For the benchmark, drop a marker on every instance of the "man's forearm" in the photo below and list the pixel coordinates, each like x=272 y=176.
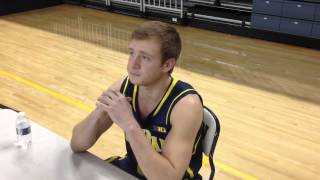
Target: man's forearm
x=84 y=134
x=148 y=159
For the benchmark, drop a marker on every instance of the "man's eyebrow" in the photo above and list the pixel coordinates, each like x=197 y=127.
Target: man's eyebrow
x=142 y=52
x=145 y=53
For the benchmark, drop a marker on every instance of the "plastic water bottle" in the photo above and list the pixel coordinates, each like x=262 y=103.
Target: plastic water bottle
x=23 y=129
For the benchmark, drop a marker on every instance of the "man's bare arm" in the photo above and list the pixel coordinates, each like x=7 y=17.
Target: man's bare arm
x=87 y=132
x=176 y=153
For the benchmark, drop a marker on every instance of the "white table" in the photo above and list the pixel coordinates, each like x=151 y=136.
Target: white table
x=49 y=158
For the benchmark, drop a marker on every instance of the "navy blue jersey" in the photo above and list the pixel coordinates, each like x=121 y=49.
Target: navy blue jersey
x=157 y=126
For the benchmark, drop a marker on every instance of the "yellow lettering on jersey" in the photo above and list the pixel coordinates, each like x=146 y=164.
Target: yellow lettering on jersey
x=154 y=140
x=161 y=142
x=139 y=171
x=147 y=133
x=161 y=129
x=155 y=144
x=190 y=172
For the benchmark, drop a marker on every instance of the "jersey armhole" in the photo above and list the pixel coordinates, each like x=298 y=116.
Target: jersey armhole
x=180 y=96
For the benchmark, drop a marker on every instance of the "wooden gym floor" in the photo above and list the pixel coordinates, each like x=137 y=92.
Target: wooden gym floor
x=55 y=62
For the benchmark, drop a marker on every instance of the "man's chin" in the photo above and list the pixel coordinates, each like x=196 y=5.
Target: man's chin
x=135 y=80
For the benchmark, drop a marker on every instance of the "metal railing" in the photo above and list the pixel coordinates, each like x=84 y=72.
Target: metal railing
x=172 y=6
x=101 y=34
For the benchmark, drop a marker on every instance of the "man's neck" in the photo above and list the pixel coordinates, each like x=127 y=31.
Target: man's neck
x=155 y=91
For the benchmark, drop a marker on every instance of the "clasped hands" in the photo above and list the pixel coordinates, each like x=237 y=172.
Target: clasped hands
x=118 y=108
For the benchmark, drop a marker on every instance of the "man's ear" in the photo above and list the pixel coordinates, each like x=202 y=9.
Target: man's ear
x=169 y=64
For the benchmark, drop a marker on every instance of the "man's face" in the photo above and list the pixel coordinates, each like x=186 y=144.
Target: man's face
x=144 y=65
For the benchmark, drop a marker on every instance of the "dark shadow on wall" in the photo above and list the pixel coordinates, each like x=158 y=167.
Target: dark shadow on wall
x=14 y=6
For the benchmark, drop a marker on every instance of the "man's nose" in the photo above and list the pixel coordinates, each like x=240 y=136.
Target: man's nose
x=135 y=62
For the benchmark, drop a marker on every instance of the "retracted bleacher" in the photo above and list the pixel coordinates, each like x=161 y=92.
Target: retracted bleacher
x=228 y=16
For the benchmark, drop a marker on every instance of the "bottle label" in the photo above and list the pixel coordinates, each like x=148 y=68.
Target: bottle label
x=23 y=131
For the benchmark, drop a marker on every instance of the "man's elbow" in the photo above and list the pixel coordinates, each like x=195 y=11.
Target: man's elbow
x=75 y=147
x=78 y=146
x=173 y=174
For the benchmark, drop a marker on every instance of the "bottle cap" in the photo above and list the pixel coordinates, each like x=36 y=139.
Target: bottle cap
x=21 y=114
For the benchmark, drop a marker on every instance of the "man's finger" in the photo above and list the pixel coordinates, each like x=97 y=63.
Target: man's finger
x=102 y=105
x=120 y=95
x=113 y=94
x=100 y=98
x=105 y=100
x=117 y=93
x=105 y=92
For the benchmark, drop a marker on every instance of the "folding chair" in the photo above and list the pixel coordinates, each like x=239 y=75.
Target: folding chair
x=211 y=135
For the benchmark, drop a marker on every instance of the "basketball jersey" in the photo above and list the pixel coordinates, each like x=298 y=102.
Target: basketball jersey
x=157 y=126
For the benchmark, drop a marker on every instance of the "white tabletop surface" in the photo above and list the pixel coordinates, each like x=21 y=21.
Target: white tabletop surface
x=48 y=158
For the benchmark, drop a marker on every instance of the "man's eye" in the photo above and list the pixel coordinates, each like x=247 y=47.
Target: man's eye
x=146 y=58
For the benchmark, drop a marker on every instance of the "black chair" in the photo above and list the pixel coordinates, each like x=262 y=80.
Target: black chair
x=211 y=135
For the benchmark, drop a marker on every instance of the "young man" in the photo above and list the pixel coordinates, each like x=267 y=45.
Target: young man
x=161 y=116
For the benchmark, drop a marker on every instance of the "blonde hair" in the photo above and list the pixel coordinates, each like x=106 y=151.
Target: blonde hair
x=167 y=36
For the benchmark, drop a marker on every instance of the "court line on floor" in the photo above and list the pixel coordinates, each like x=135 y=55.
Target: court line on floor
x=47 y=91
x=87 y=108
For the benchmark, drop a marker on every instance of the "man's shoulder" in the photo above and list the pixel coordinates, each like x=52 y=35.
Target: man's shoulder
x=188 y=109
x=186 y=92
x=190 y=101
x=184 y=84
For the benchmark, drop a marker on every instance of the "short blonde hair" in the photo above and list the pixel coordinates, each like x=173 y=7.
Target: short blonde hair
x=167 y=36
